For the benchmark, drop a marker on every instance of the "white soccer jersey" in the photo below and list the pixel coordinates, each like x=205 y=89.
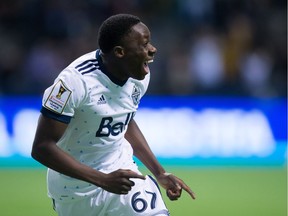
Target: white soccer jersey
x=98 y=109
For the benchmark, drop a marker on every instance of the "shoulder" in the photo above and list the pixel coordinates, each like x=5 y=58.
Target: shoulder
x=85 y=63
x=75 y=72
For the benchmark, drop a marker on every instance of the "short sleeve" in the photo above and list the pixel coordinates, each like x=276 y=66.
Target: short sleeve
x=64 y=96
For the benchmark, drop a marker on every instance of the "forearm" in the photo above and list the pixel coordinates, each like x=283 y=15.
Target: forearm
x=45 y=151
x=149 y=160
x=53 y=157
x=142 y=150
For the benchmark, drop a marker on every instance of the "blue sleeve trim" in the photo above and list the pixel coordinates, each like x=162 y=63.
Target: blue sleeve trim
x=62 y=118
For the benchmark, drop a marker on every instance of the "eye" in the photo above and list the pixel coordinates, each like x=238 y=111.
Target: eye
x=146 y=44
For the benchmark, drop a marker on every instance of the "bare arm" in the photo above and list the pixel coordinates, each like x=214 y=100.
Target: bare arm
x=46 y=151
x=142 y=151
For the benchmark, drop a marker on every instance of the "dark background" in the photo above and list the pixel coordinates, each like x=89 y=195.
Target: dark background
x=205 y=47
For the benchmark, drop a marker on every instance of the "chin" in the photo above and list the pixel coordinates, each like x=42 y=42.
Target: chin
x=142 y=77
x=139 y=76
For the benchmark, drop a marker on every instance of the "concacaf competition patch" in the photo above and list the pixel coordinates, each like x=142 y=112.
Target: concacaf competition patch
x=58 y=97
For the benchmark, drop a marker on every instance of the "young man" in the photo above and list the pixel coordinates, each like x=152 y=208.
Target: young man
x=87 y=136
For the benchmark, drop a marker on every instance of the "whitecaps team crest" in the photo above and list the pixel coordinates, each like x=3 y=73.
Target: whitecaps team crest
x=58 y=97
x=136 y=95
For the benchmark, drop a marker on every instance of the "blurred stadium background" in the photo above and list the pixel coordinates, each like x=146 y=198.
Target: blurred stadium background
x=215 y=112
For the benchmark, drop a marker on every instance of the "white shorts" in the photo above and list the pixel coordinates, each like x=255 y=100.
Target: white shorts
x=144 y=199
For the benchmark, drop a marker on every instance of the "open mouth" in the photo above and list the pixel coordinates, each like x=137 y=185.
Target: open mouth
x=146 y=67
x=148 y=62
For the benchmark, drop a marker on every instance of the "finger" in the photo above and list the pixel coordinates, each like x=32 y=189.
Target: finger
x=175 y=181
x=126 y=188
x=127 y=182
x=188 y=190
x=172 y=195
x=132 y=174
x=124 y=192
x=180 y=184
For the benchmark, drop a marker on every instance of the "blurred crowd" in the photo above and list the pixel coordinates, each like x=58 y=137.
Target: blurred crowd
x=205 y=47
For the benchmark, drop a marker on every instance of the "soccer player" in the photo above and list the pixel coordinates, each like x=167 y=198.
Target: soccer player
x=87 y=135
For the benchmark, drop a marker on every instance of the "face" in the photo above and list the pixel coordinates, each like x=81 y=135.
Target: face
x=138 y=51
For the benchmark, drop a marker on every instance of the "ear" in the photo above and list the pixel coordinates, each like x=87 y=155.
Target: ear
x=118 y=51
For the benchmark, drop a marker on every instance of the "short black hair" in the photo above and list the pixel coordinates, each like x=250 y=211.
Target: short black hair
x=114 y=29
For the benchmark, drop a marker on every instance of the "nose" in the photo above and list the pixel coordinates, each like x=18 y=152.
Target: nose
x=152 y=50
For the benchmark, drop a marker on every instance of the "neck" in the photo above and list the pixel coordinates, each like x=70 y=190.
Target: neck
x=113 y=69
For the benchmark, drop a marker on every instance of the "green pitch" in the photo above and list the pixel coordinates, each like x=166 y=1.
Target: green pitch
x=225 y=191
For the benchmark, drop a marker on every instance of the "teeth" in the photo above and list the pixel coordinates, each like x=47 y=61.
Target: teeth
x=150 y=61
